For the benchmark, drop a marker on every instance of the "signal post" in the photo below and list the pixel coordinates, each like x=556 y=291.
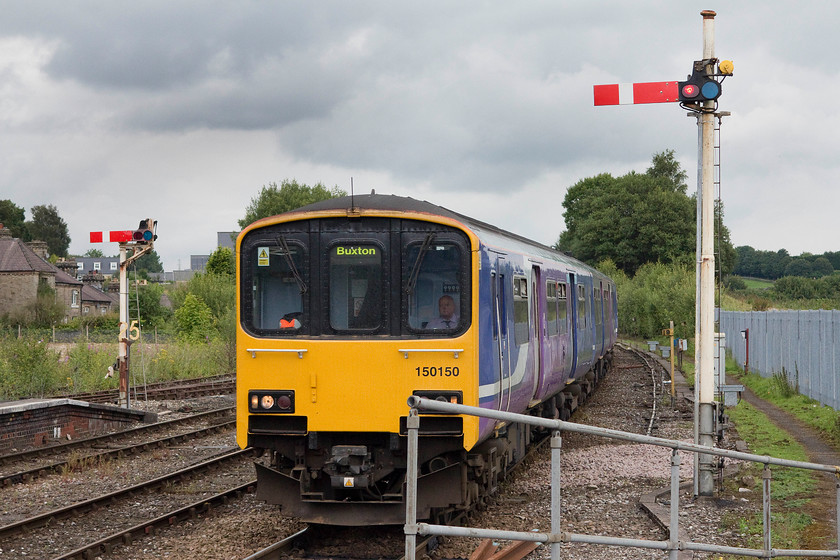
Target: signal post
x=698 y=94
x=140 y=242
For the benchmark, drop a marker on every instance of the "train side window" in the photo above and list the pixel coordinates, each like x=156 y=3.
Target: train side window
x=521 y=330
x=432 y=282
x=277 y=287
x=581 y=306
x=562 y=302
x=355 y=284
x=598 y=305
x=551 y=306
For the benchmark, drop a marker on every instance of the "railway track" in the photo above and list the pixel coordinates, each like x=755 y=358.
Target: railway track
x=76 y=530
x=164 y=390
x=27 y=465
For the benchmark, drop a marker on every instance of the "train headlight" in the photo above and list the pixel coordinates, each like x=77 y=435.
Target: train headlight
x=271 y=401
x=454 y=397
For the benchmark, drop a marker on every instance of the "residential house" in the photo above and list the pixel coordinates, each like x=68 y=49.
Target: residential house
x=23 y=267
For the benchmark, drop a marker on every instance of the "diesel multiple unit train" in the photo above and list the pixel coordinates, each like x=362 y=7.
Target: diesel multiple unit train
x=349 y=306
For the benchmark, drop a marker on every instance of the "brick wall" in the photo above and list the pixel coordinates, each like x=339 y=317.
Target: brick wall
x=27 y=424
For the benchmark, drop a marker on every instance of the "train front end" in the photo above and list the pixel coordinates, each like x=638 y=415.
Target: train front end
x=339 y=322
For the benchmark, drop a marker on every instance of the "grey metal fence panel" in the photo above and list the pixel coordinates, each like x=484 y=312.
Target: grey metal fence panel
x=805 y=345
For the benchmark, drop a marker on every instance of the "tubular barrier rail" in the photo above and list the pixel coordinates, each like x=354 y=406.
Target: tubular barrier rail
x=673 y=545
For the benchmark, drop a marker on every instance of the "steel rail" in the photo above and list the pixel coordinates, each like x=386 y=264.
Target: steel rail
x=40 y=520
x=126 y=536
x=70 y=445
x=43 y=470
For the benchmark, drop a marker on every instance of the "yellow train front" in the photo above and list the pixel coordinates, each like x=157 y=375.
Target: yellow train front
x=335 y=332
x=348 y=307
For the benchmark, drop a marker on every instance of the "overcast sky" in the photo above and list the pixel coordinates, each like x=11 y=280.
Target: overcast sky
x=181 y=111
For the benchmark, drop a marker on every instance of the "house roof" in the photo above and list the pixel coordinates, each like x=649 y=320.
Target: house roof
x=95 y=295
x=62 y=277
x=16 y=256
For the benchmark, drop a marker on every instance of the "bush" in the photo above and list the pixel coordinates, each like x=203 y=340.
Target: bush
x=194 y=320
x=28 y=368
x=656 y=295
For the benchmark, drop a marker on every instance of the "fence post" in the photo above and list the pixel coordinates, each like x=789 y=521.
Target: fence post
x=556 y=448
x=766 y=476
x=412 y=425
x=837 y=505
x=674 y=527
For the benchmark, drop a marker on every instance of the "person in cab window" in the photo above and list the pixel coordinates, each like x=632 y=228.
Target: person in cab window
x=448 y=318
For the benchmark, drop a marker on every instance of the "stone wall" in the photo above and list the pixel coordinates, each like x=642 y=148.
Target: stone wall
x=19 y=290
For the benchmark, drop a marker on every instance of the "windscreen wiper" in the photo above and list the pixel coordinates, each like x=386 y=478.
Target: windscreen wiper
x=288 y=254
x=415 y=270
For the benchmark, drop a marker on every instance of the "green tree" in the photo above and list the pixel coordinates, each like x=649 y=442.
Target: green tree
x=665 y=165
x=94 y=253
x=144 y=301
x=194 y=320
x=638 y=218
x=149 y=262
x=217 y=291
x=289 y=195
x=799 y=267
x=631 y=220
x=221 y=261
x=46 y=225
x=12 y=217
x=822 y=267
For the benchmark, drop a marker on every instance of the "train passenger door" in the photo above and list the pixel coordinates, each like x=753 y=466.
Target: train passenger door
x=537 y=321
x=572 y=299
x=501 y=347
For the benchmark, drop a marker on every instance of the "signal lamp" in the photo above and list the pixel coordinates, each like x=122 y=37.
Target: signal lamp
x=267 y=401
x=699 y=86
x=145 y=232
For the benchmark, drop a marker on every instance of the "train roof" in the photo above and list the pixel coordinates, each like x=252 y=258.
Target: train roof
x=394 y=203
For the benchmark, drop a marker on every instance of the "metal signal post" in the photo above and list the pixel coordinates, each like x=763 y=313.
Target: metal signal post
x=140 y=242
x=699 y=94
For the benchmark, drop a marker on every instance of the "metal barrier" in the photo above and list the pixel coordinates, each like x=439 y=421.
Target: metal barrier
x=804 y=345
x=673 y=545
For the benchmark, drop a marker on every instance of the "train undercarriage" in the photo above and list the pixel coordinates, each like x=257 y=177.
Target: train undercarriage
x=355 y=479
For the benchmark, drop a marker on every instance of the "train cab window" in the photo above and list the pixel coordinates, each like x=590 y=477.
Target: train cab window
x=355 y=285
x=521 y=327
x=277 y=286
x=562 y=303
x=433 y=283
x=551 y=306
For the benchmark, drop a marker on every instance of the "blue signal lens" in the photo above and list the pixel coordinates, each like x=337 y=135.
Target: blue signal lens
x=710 y=90
x=147 y=235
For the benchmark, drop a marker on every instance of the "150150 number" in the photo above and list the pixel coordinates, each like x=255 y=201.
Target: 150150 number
x=432 y=371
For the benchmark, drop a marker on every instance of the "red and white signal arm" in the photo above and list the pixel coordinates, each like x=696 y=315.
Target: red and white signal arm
x=634 y=94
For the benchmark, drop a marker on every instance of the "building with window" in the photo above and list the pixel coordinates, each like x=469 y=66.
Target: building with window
x=23 y=268
x=107 y=266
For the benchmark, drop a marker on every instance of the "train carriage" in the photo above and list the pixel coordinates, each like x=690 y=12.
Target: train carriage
x=349 y=306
